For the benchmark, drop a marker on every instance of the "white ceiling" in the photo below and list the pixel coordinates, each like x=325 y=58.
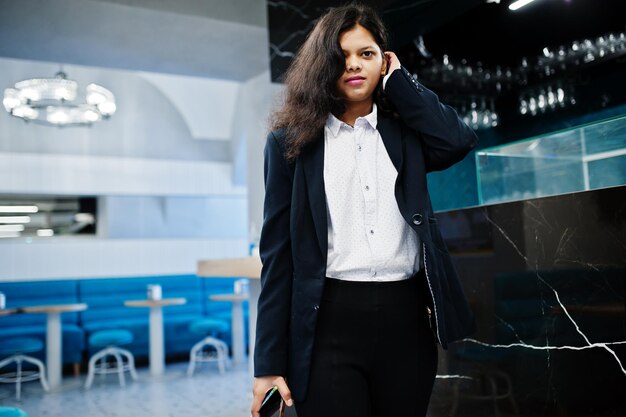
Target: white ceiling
x=202 y=38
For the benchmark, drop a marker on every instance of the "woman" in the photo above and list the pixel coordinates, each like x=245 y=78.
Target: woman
x=357 y=284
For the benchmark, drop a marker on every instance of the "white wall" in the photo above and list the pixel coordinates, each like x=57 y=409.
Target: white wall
x=206 y=105
x=215 y=217
x=166 y=198
x=258 y=97
x=75 y=258
x=41 y=173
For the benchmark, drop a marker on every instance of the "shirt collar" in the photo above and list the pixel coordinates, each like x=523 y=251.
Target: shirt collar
x=334 y=124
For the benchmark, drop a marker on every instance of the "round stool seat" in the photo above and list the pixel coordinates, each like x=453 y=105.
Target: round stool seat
x=20 y=345
x=12 y=412
x=105 y=338
x=207 y=326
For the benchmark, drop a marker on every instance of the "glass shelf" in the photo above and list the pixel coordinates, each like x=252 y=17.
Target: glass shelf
x=577 y=159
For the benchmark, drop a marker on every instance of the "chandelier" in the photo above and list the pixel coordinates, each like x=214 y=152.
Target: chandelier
x=53 y=101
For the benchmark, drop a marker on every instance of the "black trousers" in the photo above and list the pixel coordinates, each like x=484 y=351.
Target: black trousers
x=374 y=353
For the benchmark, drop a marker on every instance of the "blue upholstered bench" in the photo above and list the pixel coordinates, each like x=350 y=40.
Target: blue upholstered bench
x=106 y=297
x=21 y=294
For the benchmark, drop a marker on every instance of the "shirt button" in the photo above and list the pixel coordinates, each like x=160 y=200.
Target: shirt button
x=367 y=187
x=371 y=232
x=359 y=147
x=316 y=307
x=374 y=273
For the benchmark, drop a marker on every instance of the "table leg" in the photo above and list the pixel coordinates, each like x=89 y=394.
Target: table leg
x=157 y=361
x=255 y=291
x=54 y=346
x=239 y=354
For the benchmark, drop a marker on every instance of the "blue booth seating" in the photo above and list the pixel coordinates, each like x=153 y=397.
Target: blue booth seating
x=106 y=297
x=106 y=310
x=21 y=294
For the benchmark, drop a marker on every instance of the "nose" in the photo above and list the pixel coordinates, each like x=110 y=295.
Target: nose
x=353 y=64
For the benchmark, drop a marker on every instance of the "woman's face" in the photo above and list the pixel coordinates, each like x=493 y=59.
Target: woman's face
x=364 y=65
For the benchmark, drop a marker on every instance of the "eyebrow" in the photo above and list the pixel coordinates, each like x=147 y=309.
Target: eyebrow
x=363 y=49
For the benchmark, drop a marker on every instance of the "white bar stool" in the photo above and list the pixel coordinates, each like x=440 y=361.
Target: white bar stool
x=17 y=348
x=99 y=364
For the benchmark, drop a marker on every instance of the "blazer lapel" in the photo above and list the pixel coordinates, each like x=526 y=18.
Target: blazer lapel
x=392 y=138
x=313 y=166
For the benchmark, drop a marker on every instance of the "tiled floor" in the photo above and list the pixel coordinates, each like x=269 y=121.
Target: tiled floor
x=206 y=394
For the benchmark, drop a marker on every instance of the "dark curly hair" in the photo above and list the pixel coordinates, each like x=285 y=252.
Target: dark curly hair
x=310 y=80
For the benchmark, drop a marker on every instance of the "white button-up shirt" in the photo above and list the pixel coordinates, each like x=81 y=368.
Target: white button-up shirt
x=368 y=239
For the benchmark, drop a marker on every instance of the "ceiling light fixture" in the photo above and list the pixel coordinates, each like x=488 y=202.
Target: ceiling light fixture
x=53 y=101
x=11 y=227
x=516 y=5
x=19 y=209
x=14 y=219
x=45 y=232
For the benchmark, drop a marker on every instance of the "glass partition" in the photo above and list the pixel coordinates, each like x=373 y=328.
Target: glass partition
x=577 y=159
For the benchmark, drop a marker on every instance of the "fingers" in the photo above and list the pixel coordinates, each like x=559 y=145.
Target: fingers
x=257 y=399
x=394 y=62
x=390 y=55
x=261 y=386
x=256 y=406
x=264 y=384
x=284 y=391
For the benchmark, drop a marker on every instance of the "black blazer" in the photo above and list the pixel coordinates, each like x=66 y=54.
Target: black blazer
x=429 y=136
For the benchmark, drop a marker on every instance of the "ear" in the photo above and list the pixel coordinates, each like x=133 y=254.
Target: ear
x=383 y=70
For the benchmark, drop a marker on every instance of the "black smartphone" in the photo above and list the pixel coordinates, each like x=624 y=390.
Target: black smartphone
x=271 y=403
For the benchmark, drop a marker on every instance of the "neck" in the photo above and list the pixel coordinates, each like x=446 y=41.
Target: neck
x=356 y=110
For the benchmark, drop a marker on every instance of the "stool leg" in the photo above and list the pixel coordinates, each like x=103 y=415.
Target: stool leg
x=192 y=357
x=18 y=378
x=92 y=366
x=90 y=372
x=510 y=396
x=7 y=361
x=42 y=371
x=221 y=350
x=131 y=362
x=494 y=395
x=221 y=355
x=119 y=365
x=224 y=348
x=220 y=361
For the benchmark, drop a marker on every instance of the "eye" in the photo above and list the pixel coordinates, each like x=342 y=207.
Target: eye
x=368 y=54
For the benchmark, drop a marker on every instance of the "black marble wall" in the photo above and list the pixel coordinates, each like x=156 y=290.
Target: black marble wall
x=546 y=280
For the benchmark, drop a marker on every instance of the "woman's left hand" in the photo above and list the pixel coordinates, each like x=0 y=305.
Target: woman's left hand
x=392 y=61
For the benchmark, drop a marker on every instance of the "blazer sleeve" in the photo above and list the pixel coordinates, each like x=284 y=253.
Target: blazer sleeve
x=274 y=305
x=446 y=139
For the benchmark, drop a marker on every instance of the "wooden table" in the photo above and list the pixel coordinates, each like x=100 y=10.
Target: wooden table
x=8 y=311
x=157 y=355
x=237 y=323
x=54 y=336
x=248 y=267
